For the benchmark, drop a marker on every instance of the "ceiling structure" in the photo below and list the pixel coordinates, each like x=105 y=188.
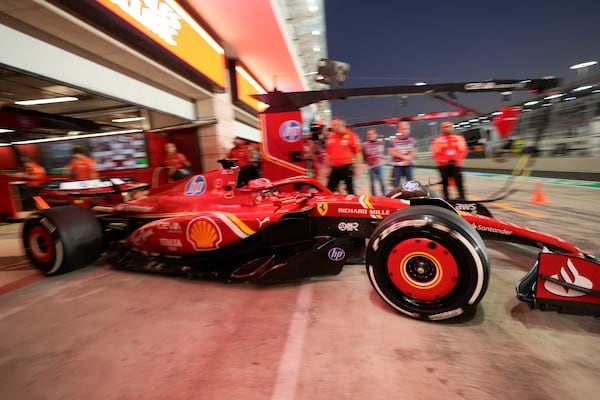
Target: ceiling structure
x=279 y=41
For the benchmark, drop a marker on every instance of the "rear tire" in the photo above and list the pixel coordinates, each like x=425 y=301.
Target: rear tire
x=428 y=263
x=62 y=239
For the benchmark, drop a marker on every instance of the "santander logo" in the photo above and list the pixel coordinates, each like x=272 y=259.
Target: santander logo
x=568 y=275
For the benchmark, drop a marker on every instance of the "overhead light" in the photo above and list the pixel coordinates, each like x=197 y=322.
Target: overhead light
x=316 y=49
x=531 y=103
x=6 y=130
x=583 y=64
x=554 y=96
x=57 y=139
x=46 y=101
x=580 y=88
x=130 y=119
x=420 y=84
x=316 y=33
x=313 y=8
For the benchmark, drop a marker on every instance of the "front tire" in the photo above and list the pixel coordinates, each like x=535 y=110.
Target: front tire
x=428 y=263
x=62 y=239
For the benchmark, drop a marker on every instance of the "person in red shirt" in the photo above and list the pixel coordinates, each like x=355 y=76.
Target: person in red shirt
x=81 y=167
x=449 y=150
x=33 y=172
x=343 y=150
x=34 y=175
x=241 y=153
x=178 y=164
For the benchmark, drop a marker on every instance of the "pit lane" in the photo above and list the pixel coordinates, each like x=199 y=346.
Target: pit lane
x=101 y=333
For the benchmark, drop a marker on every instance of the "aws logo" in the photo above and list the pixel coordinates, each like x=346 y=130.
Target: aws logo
x=291 y=131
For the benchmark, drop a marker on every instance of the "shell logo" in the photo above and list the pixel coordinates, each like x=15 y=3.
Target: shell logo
x=204 y=234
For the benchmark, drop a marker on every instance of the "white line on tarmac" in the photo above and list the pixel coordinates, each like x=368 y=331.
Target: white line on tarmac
x=289 y=364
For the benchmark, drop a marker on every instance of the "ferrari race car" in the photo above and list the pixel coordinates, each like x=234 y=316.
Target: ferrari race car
x=423 y=257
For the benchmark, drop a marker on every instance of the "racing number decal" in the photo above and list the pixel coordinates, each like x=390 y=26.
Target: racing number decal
x=196 y=186
x=290 y=131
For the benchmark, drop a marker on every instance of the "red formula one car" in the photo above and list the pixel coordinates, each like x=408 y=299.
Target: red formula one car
x=423 y=258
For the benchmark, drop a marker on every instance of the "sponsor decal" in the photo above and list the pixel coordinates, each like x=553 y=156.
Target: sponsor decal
x=218 y=184
x=170 y=242
x=410 y=186
x=204 y=234
x=196 y=186
x=336 y=254
x=157 y=16
x=140 y=236
x=322 y=208
x=363 y=211
x=170 y=226
x=571 y=275
x=262 y=221
x=291 y=131
x=494 y=85
x=492 y=229
x=469 y=207
x=348 y=226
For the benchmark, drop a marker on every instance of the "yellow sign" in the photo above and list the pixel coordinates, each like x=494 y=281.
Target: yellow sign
x=246 y=85
x=169 y=25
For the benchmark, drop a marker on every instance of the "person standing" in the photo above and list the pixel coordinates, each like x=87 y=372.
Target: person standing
x=343 y=150
x=316 y=144
x=34 y=175
x=374 y=154
x=81 y=167
x=178 y=164
x=403 y=150
x=240 y=152
x=449 y=150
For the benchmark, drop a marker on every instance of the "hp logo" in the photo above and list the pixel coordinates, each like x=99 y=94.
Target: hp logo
x=195 y=186
x=336 y=254
x=290 y=131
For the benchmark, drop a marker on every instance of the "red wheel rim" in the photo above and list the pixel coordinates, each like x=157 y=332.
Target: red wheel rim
x=41 y=245
x=422 y=269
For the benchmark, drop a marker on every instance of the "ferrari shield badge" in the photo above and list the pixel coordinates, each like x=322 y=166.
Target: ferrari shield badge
x=322 y=207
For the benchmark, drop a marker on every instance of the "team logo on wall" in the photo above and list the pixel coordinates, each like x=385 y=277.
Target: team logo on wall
x=291 y=131
x=195 y=186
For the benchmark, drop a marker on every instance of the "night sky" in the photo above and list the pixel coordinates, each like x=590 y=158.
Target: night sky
x=393 y=42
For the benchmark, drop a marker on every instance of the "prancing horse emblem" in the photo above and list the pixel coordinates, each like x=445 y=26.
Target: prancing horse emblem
x=322 y=208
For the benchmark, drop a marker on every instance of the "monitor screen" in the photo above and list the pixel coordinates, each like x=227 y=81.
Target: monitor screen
x=127 y=151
